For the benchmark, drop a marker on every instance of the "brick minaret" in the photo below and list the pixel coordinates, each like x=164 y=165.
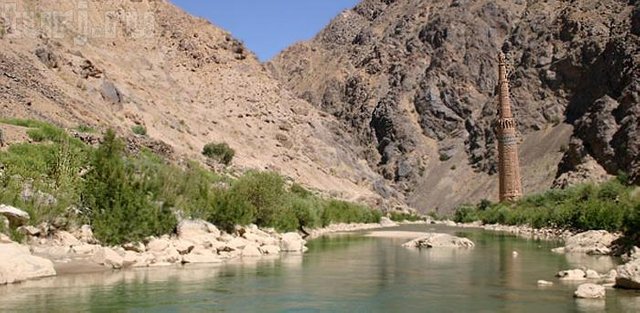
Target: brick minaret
x=508 y=164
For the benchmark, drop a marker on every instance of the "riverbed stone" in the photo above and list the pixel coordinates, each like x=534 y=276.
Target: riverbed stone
x=15 y=216
x=18 y=264
x=590 y=291
x=438 y=240
x=29 y=230
x=591 y=274
x=85 y=249
x=134 y=246
x=292 y=242
x=64 y=238
x=629 y=275
x=183 y=246
x=85 y=235
x=594 y=242
x=387 y=222
x=188 y=229
x=158 y=245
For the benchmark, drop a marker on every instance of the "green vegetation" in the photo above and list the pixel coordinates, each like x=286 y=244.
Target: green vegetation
x=129 y=197
x=219 y=151
x=401 y=217
x=139 y=130
x=86 y=129
x=613 y=206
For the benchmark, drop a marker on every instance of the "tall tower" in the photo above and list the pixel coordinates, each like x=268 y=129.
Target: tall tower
x=508 y=164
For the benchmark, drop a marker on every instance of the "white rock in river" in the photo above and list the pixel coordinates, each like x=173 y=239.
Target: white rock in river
x=545 y=283
x=590 y=291
x=201 y=255
x=17 y=264
x=629 y=275
x=575 y=274
x=596 y=242
x=15 y=216
x=270 y=249
x=292 y=242
x=591 y=274
x=438 y=240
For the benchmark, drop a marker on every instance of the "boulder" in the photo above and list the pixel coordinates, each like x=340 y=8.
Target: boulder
x=590 y=291
x=183 y=246
x=64 y=238
x=29 y=230
x=188 y=229
x=629 y=275
x=437 y=240
x=85 y=235
x=17 y=264
x=158 y=245
x=251 y=250
x=270 y=249
x=5 y=239
x=85 y=249
x=595 y=242
x=107 y=257
x=237 y=243
x=15 y=216
x=591 y=274
x=387 y=222
x=134 y=246
x=199 y=255
x=292 y=242
x=575 y=274
x=260 y=238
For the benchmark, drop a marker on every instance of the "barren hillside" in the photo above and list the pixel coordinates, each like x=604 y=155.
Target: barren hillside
x=414 y=82
x=143 y=62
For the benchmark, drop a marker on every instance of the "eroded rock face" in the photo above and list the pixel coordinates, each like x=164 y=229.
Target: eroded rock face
x=15 y=216
x=17 y=264
x=435 y=240
x=415 y=80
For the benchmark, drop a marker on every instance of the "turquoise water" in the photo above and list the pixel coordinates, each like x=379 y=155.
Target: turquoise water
x=339 y=273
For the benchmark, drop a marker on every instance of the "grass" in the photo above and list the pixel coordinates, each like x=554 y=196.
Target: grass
x=612 y=206
x=139 y=130
x=129 y=197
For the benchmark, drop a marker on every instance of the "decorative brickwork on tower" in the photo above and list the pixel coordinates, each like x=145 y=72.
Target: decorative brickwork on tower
x=508 y=163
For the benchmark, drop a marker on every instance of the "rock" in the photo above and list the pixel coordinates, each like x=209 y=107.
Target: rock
x=545 y=283
x=591 y=274
x=260 y=239
x=590 y=291
x=200 y=255
x=134 y=246
x=251 y=250
x=85 y=249
x=5 y=239
x=514 y=254
x=64 y=238
x=595 y=242
x=107 y=257
x=270 y=249
x=158 y=245
x=575 y=274
x=85 y=235
x=192 y=228
x=29 y=230
x=292 y=242
x=237 y=243
x=629 y=275
x=436 y=240
x=183 y=246
x=387 y=222
x=17 y=264
x=15 y=216
x=611 y=276
x=449 y=223
x=111 y=93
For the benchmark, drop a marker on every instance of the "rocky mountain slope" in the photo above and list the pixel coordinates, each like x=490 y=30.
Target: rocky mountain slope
x=144 y=62
x=414 y=83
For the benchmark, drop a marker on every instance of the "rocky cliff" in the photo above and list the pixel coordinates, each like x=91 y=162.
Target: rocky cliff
x=414 y=83
x=124 y=63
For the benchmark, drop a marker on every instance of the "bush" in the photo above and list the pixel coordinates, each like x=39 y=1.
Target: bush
x=219 y=151
x=264 y=192
x=401 y=217
x=139 y=130
x=120 y=209
x=336 y=211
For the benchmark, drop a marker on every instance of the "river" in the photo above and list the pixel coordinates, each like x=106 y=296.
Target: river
x=339 y=273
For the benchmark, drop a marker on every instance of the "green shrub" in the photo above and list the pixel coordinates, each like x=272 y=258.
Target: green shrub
x=401 y=217
x=264 y=191
x=337 y=211
x=86 y=129
x=139 y=130
x=219 y=151
x=465 y=214
x=121 y=211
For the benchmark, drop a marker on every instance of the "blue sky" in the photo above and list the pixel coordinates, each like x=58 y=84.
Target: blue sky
x=268 y=26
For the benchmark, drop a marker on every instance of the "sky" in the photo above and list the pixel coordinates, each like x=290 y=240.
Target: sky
x=268 y=26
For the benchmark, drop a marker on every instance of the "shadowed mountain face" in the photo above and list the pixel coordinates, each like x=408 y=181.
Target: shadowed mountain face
x=414 y=83
x=144 y=62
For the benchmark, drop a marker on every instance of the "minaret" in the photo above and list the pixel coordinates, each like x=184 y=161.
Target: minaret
x=508 y=164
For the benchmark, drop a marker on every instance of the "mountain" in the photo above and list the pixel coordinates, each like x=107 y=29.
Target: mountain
x=125 y=63
x=414 y=82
